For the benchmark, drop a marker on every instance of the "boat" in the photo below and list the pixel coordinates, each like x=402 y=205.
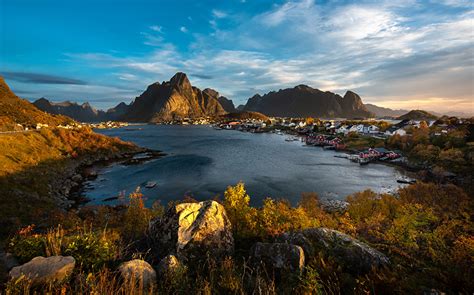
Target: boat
x=364 y=161
x=150 y=184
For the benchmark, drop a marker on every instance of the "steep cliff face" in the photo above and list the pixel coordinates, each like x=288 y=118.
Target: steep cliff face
x=304 y=101
x=174 y=99
x=227 y=104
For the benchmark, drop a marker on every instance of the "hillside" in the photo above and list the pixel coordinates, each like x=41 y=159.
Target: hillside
x=173 y=100
x=304 y=101
x=418 y=115
x=246 y=115
x=14 y=110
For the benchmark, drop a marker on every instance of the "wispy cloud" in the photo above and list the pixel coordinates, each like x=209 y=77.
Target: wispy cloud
x=38 y=78
x=389 y=52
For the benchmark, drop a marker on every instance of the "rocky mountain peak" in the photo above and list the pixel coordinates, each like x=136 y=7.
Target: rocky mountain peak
x=180 y=80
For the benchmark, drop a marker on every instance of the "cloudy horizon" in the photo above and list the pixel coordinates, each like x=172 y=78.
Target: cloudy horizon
x=400 y=54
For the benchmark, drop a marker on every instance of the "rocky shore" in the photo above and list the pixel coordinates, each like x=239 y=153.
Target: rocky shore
x=67 y=188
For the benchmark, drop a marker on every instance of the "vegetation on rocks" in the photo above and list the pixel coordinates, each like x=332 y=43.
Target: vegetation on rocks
x=423 y=235
x=35 y=166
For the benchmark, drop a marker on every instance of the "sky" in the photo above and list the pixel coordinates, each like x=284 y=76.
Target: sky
x=400 y=54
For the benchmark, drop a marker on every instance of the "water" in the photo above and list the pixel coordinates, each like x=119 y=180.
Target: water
x=201 y=162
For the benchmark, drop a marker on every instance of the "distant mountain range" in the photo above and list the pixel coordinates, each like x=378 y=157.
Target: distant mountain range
x=84 y=112
x=177 y=99
x=304 y=101
x=384 y=112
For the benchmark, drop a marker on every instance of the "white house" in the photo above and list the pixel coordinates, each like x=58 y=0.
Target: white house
x=342 y=129
x=371 y=129
x=357 y=128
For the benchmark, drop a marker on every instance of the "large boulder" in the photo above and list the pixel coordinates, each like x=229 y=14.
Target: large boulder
x=280 y=256
x=354 y=255
x=139 y=271
x=45 y=271
x=193 y=230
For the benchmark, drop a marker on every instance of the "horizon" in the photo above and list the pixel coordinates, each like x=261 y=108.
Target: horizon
x=405 y=55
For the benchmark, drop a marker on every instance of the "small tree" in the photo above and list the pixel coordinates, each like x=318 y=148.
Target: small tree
x=242 y=216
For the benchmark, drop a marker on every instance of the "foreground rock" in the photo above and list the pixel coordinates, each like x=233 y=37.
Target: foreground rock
x=354 y=255
x=278 y=256
x=193 y=230
x=42 y=271
x=139 y=271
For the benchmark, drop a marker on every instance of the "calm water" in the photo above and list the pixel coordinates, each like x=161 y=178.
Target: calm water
x=202 y=162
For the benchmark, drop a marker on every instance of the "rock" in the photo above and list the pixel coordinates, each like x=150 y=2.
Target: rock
x=334 y=206
x=354 y=255
x=278 y=255
x=76 y=178
x=8 y=260
x=140 y=271
x=168 y=265
x=173 y=100
x=41 y=270
x=193 y=230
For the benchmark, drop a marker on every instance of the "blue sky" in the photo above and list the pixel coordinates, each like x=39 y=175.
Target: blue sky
x=400 y=54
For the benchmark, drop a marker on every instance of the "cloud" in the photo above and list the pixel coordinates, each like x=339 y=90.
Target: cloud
x=183 y=29
x=158 y=29
x=218 y=13
x=37 y=78
x=391 y=51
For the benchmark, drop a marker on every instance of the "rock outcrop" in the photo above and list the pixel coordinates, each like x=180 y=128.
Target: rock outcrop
x=304 y=101
x=193 y=231
x=280 y=256
x=354 y=255
x=173 y=100
x=43 y=271
x=138 y=271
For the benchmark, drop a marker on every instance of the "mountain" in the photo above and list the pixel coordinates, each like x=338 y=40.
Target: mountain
x=240 y=107
x=227 y=104
x=384 y=112
x=304 y=101
x=116 y=113
x=83 y=113
x=14 y=110
x=174 y=99
x=418 y=115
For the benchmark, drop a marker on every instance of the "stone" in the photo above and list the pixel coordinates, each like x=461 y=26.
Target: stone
x=354 y=255
x=278 y=256
x=8 y=260
x=77 y=178
x=42 y=271
x=140 y=271
x=193 y=230
x=168 y=266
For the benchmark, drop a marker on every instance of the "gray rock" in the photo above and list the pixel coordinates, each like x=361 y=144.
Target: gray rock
x=140 y=271
x=354 y=255
x=41 y=270
x=193 y=230
x=278 y=255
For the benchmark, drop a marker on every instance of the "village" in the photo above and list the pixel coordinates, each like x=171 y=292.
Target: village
x=363 y=141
